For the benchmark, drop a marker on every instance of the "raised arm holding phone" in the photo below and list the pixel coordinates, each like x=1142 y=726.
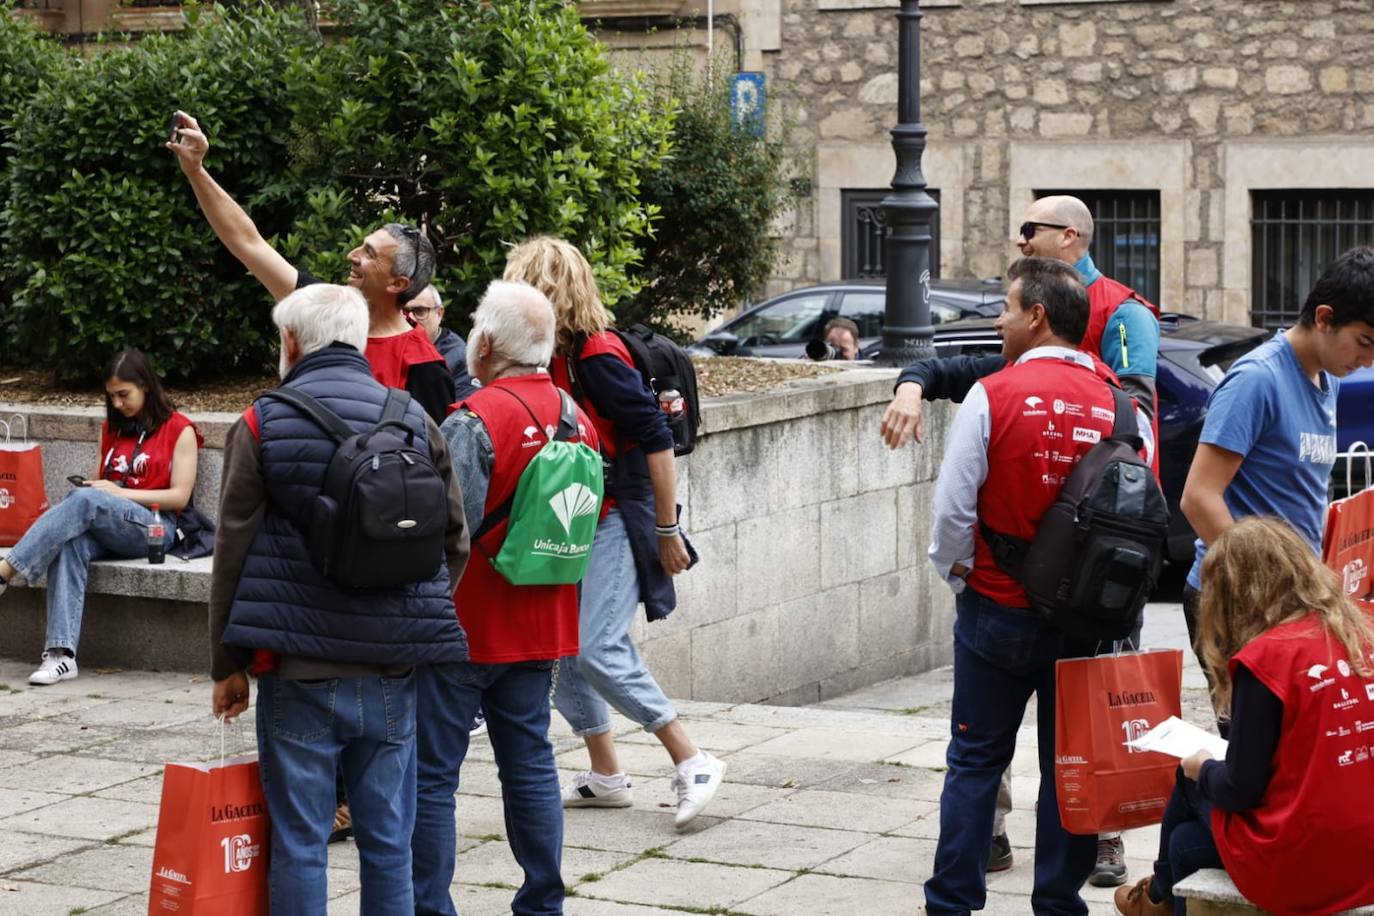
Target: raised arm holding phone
x=391 y=266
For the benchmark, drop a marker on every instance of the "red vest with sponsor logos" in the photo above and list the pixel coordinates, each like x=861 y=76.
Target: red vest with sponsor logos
x=1044 y=415
x=143 y=462
x=1306 y=847
x=505 y=622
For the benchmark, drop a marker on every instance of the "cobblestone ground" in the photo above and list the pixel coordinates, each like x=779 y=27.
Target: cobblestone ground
x=830 y=809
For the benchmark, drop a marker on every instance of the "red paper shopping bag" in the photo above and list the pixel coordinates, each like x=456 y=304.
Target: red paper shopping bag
x=1100 y=704
x=212 y=838
x=1348 y=546
x=23 y=497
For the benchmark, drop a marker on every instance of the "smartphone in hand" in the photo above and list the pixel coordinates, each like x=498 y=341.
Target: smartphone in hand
x=76 y=480
x=174 y=133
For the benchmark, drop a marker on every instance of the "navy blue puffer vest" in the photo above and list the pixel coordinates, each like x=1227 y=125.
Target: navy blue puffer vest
x=282 y=604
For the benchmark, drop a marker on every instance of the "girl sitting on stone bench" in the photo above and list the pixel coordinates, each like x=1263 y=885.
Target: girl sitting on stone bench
x=1290 y=812
x=147 y=457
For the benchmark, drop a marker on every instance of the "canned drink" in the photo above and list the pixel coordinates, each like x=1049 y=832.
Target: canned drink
x=671 y=402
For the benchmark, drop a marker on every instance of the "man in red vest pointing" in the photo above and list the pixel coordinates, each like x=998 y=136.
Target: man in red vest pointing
x=1008 y=451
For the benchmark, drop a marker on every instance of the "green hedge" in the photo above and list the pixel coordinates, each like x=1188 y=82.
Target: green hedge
x=104 y=244
x=487 y=122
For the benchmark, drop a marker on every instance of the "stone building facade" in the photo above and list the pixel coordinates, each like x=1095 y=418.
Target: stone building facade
x=1210 y=108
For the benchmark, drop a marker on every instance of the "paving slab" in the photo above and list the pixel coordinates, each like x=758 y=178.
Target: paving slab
x=675 y=883
x=85 y=818
x=840 y=811
x=824 y=895
x=24 y=898
x=76 y=775
x=107 y=867
x=783 y=846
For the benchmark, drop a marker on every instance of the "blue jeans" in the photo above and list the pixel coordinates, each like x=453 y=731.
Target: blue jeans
x=87 y=525
x=516 y=700
x=1186 y=844
x=306 y=730
x=1001 y=657
x=608 y=668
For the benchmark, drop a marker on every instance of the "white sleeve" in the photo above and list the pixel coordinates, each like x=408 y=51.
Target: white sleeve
x=962 y=473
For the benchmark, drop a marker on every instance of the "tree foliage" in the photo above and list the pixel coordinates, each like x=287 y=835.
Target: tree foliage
x=717 y=195
x=104 y=244
x=487 y=123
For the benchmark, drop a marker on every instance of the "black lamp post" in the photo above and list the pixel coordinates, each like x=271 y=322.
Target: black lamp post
x=908 y=210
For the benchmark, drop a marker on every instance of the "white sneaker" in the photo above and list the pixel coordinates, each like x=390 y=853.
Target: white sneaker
x=589 y=790
x=696 y=787
x=479 y=725
x=56 y=666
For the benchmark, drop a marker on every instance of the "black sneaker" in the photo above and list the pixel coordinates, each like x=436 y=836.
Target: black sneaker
x=1110 y=870
x=999 y=857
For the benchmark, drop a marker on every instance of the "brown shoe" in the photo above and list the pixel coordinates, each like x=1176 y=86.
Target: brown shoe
x=343 y=825
x=1134 y=900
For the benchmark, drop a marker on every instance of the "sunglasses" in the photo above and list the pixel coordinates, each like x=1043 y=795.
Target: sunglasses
x=1029 y=229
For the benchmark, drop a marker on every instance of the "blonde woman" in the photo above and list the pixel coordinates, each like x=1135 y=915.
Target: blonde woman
x=638 y=546
x=1287 y=813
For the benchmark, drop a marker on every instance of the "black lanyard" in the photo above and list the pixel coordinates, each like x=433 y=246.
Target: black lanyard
x=109 y=460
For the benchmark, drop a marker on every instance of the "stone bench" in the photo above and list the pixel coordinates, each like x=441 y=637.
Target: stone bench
x=1211 y=892
x=137 y=615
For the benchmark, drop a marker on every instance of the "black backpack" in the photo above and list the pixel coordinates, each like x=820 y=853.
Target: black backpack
x=1097 y=554
x=382 y=514
x=664 y=366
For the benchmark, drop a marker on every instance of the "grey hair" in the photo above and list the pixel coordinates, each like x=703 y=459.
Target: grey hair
x=321 y=314
x=518 y=321
x=433 y=291
x=414 y=259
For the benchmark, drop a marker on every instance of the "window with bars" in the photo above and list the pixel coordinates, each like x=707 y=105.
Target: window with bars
x=864 y=231
x=1295 y=235
x=1125 y=243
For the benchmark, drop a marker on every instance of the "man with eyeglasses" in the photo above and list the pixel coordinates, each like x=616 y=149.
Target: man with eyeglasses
x=389 y=268
x=427 y=311
x=1123 y=331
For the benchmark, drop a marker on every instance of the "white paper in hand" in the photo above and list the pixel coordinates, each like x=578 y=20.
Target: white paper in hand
x=1180 y=739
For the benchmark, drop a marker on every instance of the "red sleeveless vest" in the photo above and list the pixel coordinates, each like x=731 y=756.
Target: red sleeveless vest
x=1104 y=296
x=504 y=622
x=143 y=463
x=1044 y=415
x=1306 y=847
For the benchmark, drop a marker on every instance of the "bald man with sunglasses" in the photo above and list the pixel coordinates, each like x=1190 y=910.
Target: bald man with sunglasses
x=1123 y=331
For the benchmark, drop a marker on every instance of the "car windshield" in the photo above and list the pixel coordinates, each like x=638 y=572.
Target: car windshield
x=789 y=321
x=867 y=310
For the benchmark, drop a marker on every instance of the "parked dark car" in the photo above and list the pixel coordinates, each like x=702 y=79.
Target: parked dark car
x=782 y=326
x=1193 y=356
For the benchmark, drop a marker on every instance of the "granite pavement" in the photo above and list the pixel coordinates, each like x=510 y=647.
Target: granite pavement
x=831 y=809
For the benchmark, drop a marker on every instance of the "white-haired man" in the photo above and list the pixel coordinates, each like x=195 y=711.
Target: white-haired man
x=427 y=311
x=336 y=688
x=516 y=633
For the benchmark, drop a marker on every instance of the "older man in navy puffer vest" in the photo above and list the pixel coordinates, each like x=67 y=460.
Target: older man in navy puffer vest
x=334 y=666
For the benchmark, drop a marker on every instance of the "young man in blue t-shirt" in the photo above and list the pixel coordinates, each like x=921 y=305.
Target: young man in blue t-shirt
x=1269 y=441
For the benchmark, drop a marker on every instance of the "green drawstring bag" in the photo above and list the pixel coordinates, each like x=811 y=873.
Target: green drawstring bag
x=554 y=510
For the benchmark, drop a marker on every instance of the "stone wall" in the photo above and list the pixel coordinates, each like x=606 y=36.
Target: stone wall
x=1201 y=101
x=813 y=578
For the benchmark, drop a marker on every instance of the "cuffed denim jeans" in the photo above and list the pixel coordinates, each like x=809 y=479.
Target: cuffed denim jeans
x=608 y=668
x=516 y=700
x=307 y=730
x=1001 y=657
x=87 y=525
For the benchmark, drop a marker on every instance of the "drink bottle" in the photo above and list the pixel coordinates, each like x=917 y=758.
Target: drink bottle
x=156 y=534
